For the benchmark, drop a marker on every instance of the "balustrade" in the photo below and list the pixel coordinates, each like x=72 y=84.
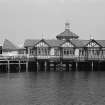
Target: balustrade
x=33 y=57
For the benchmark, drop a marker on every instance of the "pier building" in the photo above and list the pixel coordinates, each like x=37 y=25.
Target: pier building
x=66 y=52
x=67 y=46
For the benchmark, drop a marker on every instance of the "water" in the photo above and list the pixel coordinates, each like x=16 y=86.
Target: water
x=53 y=88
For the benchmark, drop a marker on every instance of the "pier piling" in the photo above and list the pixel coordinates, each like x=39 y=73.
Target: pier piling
x=19 y=66
x=45 y=66
x=76 y=66
x=37 y=66
x=92 y=66
x=26 y=66
x=8 y=66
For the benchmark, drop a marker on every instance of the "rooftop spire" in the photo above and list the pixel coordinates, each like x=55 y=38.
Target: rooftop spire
x=67 y=26
x=42 y=36
x=91 y=37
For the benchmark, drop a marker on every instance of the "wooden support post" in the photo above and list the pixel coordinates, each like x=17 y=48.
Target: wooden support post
x=67 y=67
x=92 y=66
x=1 y=68
x=99 y=65
x=48 y=67
x=70 y=67
x=76 y=66
x=37 y=66
x=8 y=66
x=54 y=67
x=45 y=66
x=26 y=66
x=19 y=66
x=61 y=67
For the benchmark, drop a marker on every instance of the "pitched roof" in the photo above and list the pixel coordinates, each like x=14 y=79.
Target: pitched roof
x=79 y=43
x=54 y=43
x=51 y=43
x=67 y=33
x=57 y=43
x=30 y=42
x=92 y=40
x=101 y=42
x=8 y=45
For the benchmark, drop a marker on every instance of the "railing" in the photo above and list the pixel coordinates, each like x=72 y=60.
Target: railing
x=96 y=57
x=72 y=57
x=81 y=58
x=53 y=57
x=48 y=57
x=16 y=57
x=90 y=57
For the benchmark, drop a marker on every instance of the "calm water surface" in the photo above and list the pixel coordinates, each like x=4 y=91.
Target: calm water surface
x=53 y=88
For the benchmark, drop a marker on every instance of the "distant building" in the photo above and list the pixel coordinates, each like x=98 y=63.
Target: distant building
x=68 y=45
x=10 y=49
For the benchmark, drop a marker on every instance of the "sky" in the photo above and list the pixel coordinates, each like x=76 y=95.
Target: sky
x=34 y=19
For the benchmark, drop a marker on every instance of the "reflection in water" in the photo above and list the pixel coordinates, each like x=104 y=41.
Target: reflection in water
x=53 y=88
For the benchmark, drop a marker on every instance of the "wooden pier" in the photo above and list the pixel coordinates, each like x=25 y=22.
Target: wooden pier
x=36 y=65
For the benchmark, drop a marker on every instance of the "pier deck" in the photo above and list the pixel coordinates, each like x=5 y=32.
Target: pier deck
x=36 y=64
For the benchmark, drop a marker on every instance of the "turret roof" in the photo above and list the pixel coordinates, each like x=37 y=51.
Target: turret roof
x=67 y=33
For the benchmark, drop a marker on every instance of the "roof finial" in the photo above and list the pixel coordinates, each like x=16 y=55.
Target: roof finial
x=91 y=37
x=42 y=36
x=67 y=26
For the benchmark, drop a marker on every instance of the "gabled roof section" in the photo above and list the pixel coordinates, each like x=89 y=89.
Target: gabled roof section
x=54 y=43
x=42 y=40
x=67 y=43
x=30 y=42
x=101 y=42
x=79 y=43
x=8 y=45
x=51 y=42
x=94 y=43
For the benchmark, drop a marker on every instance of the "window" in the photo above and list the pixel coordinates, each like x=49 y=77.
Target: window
x=68 y=51
x=39 y=52
x=31 y=51
x=64 y=52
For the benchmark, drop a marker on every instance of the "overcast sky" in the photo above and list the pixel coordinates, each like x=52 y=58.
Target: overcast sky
x=29 y=19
